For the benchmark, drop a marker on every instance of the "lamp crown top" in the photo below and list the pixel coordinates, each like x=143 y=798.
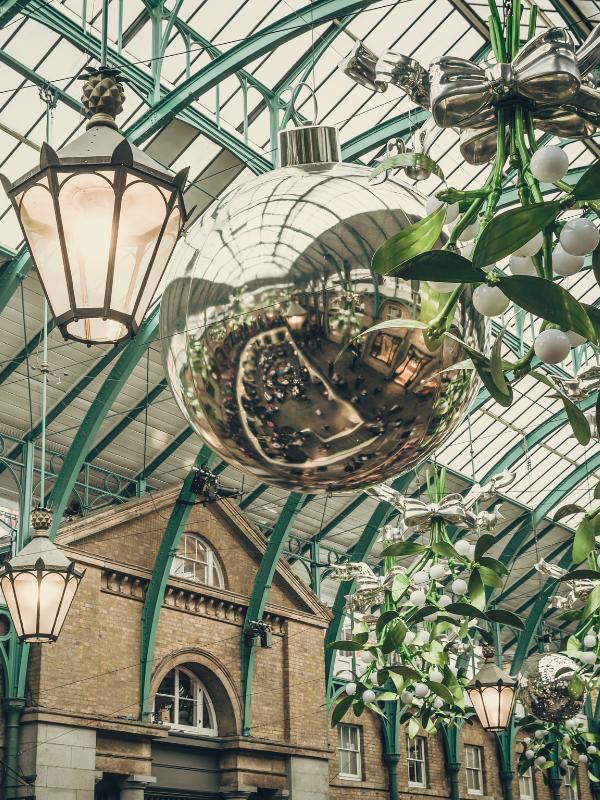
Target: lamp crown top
x=41 y=520
x=489 y=652
x=103 y=96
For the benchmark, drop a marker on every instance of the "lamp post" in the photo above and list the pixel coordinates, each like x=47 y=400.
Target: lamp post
x=493 y=693
x=39 y=584
x=101 y=219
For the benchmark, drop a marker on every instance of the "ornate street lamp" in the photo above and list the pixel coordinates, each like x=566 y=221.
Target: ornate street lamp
x=493 y=693
x=39 y=584
x=296 y=316
x=101 y=219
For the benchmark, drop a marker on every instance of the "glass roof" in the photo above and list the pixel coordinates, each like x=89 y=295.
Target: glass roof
x=49 y=43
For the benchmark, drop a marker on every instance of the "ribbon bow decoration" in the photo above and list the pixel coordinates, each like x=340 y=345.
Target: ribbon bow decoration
x=579 y=589
x=453 y=508
x=547 y=73
x=369 y=588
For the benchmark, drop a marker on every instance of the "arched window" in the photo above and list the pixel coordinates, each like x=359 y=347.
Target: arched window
x=196 y=561
x=183 y=702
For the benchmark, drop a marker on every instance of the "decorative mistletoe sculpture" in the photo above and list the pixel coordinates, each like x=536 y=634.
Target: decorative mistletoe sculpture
x=418 y=618
x=544 y=84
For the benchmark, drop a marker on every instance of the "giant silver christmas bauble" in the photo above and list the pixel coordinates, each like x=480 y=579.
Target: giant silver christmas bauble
x=545 y=687
x=266 y=290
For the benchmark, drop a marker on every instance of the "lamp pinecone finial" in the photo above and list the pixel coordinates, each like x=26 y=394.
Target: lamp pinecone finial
x=103 y=96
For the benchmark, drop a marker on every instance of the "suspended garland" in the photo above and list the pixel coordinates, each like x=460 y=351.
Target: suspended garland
x=417 y=624
x=541 y=85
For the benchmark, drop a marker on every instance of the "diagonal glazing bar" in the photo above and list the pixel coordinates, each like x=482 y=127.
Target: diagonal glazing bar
x=239 y=55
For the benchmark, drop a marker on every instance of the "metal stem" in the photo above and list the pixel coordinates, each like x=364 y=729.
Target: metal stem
x=104 y=40
x=44 y=369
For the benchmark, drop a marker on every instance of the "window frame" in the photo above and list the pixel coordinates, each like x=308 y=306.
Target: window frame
x=348 y=776
x=200 y=698
x=527 y=775
x=421 y=743
x=473 y=748
x=572 y=792
x=212 y=565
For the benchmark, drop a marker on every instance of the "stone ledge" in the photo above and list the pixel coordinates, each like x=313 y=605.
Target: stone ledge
x=100 y=723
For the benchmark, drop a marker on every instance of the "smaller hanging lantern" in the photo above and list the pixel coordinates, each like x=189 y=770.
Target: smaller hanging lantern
x=296 y=316
x=100 y=219
x=493 y=693
x=39 y=584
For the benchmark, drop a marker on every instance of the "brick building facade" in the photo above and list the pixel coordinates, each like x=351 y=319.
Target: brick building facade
x=82 y=734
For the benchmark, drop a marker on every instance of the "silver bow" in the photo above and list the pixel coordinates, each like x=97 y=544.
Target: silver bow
x=369 y=588
x=548 y=73
x=580 y=387
x=578 y=589
x=453 y=508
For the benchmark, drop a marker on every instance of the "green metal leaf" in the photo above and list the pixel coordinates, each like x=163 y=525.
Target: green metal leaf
x=383 y=620
x=588 y=186
x=581 y=574
x=465 y=610
x=567 y=511
x=584 y=542
x=442 y=691
x=346 y=644
x=576 y=687
x=476 y=589
x=408 y=673
x=401 y=160
x=596 y=264
x=548 y=301
x=505 y=618
x=483 y=544
x=492 y=563
x=496 y=369
x=508 y=231
x=592 y=603
x=413 y=727
x=394 y=636
x=417 y=238
x=403 y=549
x=439 y=265
x=340 y=710
x=576 y=417
x=490 y=577
x=597 y=491
x=444 y=549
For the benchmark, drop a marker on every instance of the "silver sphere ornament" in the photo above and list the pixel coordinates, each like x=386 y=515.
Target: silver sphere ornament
x=529 y=754
x=268 y=288
x=546 y=694
x=583 y=759
x=575 y=339
x=438 y=702
x=459 y=587
x=444 y=600
x=470 y=232
x=417 y=598
x=452 y=209
x=406 y=697
x=540 y=761
x=350 y=689
x=437 y=571
x=590 y=640
x=443 y=287
x=368 y=696
x=592 y=750
x=421 y=690
x=409 y=638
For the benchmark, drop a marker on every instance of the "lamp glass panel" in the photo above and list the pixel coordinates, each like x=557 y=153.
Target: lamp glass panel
x=98 y=330
x=37 y=215
x=87 y=203
x=70 y=589
x=27 y=597
x=52 y=587
x=11 y=601
x=142 y=215
x=163 y=254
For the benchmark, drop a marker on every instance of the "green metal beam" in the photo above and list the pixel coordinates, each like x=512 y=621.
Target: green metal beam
x=11 y=275
x=68 y=29
x=124 y=423
x=9 y=10
x=400 y=126
x=358 y=552
x=260 y=592
x=34 y=77
x=14 y=363
x=254 y=495
x=160 y=573
x=239 y=55
x=533 y=619
x=106 y=396
x=157 y=461
x=66 y=400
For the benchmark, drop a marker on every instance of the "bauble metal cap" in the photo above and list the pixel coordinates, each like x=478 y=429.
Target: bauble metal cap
x=309 y=145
